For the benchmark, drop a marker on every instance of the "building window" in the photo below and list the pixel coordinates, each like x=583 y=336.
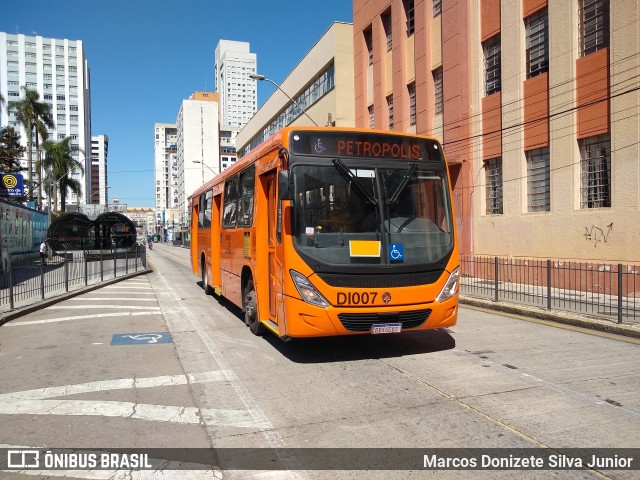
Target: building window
x=409 y=13
x=538 y=184
x=390 y=108
x=386 y=25
x=371 y=117
x=368 y=40
x=493 y=170
x=594 y=25
x=412 y=103
x=437 y=7
x=595 y=172
x=537 y=43
x=491 y=49
x=437 y=89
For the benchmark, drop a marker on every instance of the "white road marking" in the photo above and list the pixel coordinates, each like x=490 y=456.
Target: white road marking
x=39 y=402
x=131 y=410
x=109 y=288
x=93 y=299
x=128 y=307
x=117 y=384
x=82 y=317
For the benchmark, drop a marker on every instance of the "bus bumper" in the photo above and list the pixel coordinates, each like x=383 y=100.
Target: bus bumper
x=305 y=320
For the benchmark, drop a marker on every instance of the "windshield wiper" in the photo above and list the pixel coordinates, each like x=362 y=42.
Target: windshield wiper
x=396 y=194
x=350 y=177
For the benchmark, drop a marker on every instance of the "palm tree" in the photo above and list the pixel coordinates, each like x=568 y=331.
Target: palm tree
x=59 y=165
x=29 y=112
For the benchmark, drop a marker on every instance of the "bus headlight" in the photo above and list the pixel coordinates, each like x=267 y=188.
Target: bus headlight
x=450 y=288
x=307 y=291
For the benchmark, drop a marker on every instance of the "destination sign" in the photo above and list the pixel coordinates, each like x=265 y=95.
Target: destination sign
x=368 y=145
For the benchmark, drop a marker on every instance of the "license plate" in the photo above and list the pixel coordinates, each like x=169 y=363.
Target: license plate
x=386 y=328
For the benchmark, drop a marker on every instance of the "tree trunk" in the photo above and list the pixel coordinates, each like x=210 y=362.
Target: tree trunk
x=39 y=164
x=29 y=131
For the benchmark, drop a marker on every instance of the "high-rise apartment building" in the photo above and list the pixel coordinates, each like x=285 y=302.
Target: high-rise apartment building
x=166 y=172
x=537 y=105
x=58 y=70
x=321 y=87
x=99 y=192
x=198 y=148
x=238 y=94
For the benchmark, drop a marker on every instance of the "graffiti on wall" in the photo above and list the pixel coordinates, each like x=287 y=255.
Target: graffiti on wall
x=21 y=229
x=596 y=234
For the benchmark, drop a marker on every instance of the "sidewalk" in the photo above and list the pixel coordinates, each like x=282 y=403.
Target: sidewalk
x=59 y=280
x=558 y=316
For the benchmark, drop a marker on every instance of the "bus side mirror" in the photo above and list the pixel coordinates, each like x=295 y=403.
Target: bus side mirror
x=284 y=189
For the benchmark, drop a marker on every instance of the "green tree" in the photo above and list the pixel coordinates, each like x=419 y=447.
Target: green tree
x=30 y=111
x=59 y=165
x=10 y=151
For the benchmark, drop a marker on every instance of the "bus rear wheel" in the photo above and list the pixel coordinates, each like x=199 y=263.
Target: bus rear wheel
x=251 y=310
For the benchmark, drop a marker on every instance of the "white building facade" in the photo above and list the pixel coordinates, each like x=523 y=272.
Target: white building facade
x=198 y=147
x=58 y=70
x=166 y=173
x=238 y=94
x=99 y=181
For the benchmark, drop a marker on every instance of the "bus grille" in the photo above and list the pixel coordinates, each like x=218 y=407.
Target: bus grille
x=362 y=322
x=380 y=281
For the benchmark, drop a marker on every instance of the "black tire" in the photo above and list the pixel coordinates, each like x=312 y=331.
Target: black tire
x=250 y=301
x=205 y=278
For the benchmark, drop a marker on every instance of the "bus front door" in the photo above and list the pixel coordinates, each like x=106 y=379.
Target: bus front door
x=271 y=247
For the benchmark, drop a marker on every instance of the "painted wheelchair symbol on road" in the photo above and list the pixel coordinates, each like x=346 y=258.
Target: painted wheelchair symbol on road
x=141 y=338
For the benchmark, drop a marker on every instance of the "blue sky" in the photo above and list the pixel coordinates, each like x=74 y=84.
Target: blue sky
x=146 y=56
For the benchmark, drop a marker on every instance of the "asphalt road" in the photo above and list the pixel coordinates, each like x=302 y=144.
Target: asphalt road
x=73 y=376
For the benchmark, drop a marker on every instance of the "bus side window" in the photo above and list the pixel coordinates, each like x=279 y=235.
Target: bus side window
x=201 y=206
x=207 y=209
x=247 y=181
x=230 y=208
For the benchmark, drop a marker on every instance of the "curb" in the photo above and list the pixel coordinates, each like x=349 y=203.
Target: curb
x=567 y=318
x=19 y=312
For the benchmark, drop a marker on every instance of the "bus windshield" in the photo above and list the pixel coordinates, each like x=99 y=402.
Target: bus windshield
x=372 y=215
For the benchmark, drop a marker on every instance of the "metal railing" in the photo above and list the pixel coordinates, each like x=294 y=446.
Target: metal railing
x=28 y=279
x=609 y=291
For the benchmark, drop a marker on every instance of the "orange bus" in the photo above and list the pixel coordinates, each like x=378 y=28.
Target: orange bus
x=331 y=231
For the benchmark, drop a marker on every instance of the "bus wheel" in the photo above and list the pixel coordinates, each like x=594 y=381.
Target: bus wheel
x=205 y=278
x=251 y=310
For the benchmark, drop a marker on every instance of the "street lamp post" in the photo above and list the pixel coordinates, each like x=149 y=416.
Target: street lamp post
x=204 y=164
x=256 y=76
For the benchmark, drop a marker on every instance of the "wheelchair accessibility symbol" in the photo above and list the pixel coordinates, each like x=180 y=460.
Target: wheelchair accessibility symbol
x=141 y=338
x=396 y=252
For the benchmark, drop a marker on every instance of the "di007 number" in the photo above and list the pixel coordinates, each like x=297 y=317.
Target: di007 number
x=356 y=298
